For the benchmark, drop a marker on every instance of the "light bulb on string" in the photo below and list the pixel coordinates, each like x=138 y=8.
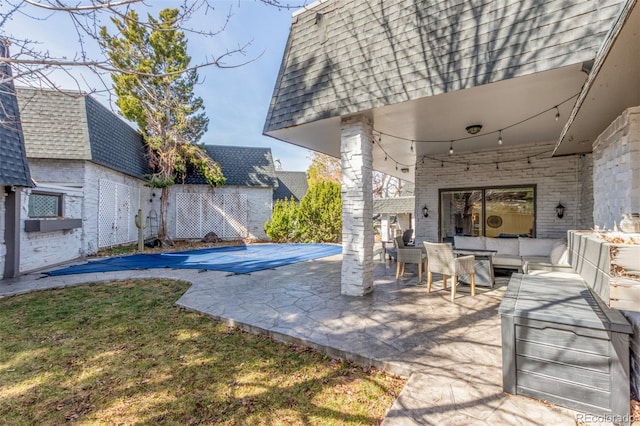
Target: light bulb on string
x=396 y=166
x=411 y=146
x=385 y=156
x=451 y=148
x=500 y=137
x=557 y=113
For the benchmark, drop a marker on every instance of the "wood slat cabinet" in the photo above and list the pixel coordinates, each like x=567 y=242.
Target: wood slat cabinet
x=560 y=343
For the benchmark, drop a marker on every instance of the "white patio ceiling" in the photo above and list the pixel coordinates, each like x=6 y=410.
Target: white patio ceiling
x=444 y=118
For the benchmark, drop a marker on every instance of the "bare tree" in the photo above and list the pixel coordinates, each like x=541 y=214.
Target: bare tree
x=33 y=64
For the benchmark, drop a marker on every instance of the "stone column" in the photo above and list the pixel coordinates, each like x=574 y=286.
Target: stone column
x=357 y=206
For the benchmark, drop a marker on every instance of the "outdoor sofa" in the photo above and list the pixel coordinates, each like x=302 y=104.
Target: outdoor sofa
x=519 y=253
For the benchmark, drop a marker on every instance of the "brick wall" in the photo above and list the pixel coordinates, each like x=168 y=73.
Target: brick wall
x=259 y=206
x=557 y=179
x=45 y=249
x=616 y=170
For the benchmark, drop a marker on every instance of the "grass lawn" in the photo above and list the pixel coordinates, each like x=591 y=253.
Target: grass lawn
x=121 y=353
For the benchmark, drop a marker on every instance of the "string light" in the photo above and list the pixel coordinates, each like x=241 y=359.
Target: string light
x=500 y=139
x=467 y=166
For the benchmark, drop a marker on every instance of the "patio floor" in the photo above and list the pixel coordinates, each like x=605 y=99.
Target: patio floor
x=450 y=352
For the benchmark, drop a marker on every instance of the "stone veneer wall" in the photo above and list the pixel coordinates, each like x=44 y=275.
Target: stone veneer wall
x=357 y=206
x=616 y=170
x=586 y=196
x=616 y=190
x=558 y=180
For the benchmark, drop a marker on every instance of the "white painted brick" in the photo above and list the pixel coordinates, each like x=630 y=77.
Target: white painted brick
x=557 y=179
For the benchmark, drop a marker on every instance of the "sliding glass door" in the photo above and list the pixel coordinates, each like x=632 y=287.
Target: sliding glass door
x=505 y=212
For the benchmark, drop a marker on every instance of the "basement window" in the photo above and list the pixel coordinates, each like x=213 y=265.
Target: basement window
x=44 y=205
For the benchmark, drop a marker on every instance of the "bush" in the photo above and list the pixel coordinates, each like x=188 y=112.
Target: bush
x=281 y=227
x=320 y=214
x=318 y=218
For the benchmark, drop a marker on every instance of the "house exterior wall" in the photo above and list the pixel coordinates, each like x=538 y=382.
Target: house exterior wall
x=259 y=206
x=3 y=245
x=45 y=249
x=616 y=170
x=557 y=180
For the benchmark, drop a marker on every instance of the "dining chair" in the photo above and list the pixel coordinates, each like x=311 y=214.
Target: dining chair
x=441 y=260
x=411 y=255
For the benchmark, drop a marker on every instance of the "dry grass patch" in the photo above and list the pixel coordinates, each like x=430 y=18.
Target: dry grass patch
x=122 y=353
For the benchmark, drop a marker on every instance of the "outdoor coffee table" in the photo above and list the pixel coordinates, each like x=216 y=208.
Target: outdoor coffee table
x=483 y=266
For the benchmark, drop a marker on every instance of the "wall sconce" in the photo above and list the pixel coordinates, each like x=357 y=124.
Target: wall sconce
x=425 y=211
x=560 y=210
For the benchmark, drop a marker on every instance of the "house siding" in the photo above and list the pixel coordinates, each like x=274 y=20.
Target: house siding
x=557 y=180
x=586 y=192
x=347 y=56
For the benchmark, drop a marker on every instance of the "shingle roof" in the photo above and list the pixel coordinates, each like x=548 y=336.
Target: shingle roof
x=54 y=124
x=114 y=143
x=14 y=169
x=291 y=184
x=394 y=205
x=74 y=126
x=242 y=166
x=348 y=56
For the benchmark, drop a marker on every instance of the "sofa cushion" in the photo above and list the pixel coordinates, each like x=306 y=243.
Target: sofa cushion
x=536 y=246
x=535 y=259
x=469 y=243
x=559 y=254
x=507 y=261
x=503 y=245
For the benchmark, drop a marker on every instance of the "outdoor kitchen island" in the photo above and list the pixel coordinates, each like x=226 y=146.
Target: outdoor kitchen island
x=562 y=344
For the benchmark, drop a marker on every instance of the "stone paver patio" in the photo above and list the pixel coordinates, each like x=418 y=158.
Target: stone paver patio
x=450 y=352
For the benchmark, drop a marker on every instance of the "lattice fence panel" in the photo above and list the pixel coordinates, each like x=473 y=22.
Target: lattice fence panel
x=118 y=205
x=235 y=210
x=212 y=214
x=188 y=215
x=106 y=213
x=123 y=207
x=199 y=214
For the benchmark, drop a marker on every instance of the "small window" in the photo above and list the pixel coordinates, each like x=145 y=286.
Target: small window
x=45 y=205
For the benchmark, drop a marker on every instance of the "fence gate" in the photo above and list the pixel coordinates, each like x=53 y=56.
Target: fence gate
x=118 y=206
x=199 y=214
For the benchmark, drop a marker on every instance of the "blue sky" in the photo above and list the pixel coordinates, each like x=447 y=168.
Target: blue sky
x=236 y=99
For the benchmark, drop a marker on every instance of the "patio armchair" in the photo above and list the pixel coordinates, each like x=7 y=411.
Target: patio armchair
x=413 y=256
x=441 y=260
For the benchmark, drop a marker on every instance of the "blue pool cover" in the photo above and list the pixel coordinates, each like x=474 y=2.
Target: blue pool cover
x=234 y=259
